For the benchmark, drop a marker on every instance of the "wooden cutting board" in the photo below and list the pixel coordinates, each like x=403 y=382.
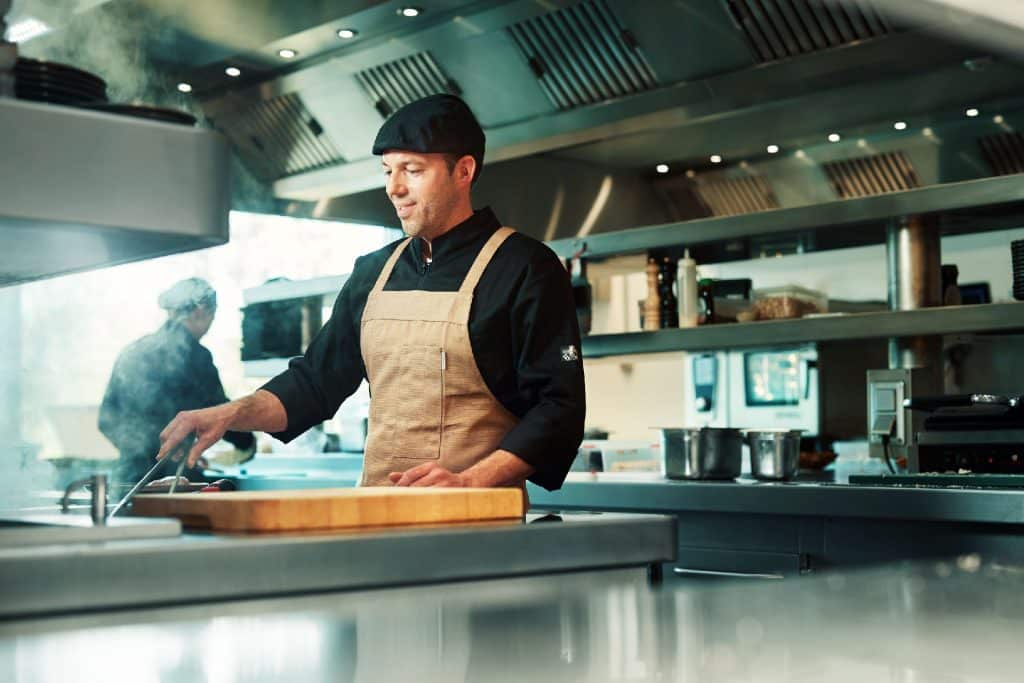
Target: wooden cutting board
x=331 y=508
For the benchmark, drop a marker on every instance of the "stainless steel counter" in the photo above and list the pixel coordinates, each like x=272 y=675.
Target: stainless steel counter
x=950 y=621
x=654 y=493
x=58 y=579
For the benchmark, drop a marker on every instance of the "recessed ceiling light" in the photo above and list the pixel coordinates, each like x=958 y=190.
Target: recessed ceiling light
x=972 y=112
x=928 y=132
x=233 y=71
x=346 y=33
x=716 y=159
x=409 y=11
x=772 y=149
x=184 y=87
x=661 y=168
x=800 y=154
x=834 y=137
x=286 y=53
x=998 y=118
x=900 y=125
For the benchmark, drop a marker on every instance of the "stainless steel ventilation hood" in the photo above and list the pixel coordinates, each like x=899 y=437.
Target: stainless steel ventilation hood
x=581 y=99
x=81 y=189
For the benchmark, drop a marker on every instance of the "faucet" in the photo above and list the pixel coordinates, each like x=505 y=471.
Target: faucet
x=98 y=503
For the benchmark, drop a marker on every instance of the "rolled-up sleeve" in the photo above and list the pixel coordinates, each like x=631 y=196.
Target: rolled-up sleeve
x=549 y=371
x=316 y=383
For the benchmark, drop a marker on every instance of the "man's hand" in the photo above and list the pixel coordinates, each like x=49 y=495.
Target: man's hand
x=208 y=424
x=428 y=474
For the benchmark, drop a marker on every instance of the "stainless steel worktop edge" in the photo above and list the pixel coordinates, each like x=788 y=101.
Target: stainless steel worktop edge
x=992 y=506
x=121 y=575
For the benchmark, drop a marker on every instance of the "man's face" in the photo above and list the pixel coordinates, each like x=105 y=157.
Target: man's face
x=425 y=193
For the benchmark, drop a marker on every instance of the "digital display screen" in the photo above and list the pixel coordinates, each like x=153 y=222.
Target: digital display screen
x=885 y=400
x=772 y=378
x=704 y=370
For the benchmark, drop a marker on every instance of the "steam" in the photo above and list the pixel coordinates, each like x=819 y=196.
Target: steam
x=113 y=41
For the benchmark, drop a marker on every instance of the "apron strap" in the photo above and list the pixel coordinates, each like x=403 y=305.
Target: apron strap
x=484 y=258
x=382 y=279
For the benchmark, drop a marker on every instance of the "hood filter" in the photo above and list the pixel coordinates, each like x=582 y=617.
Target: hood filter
x=779 y=29
x=396 y=84
x=871 y=175
x=733 y=196
x=582 y=55
x=278 y=138
x=1004 y=152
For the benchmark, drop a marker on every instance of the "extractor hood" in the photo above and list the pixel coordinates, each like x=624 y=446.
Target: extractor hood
x=582 y=99
x=81 y=189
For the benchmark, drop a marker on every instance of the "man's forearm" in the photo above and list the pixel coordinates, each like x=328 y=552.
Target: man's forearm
x=260 y=411
x=500 y=468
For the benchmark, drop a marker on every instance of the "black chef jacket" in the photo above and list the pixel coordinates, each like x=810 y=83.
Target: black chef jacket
x=522 y=327
x=153 y=379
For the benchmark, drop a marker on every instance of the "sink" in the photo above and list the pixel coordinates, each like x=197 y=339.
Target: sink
x=17 y=530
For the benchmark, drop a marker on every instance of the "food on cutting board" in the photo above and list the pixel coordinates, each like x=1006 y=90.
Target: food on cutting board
x=165 y=483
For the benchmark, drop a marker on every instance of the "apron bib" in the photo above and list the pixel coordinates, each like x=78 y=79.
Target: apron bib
x=428 y=400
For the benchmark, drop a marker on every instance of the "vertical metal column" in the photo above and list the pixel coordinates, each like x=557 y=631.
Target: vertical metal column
x=8 y=54
x=915 y=281
x=10 y=367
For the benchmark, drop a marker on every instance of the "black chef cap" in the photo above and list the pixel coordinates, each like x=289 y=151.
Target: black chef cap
x=439 y=124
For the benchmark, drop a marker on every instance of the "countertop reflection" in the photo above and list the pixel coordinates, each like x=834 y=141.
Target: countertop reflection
x=950 y=621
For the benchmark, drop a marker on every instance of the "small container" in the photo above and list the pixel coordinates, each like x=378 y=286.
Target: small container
x=1017 y=258
x=652 y=304
x=705 y=302
x=950 y=290
x=704 y=453
x=687 y=274
x=774 y=453
x=669 y=311
x=787 y=302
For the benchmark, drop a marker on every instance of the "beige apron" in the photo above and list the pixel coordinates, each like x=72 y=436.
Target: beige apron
x=428 y=401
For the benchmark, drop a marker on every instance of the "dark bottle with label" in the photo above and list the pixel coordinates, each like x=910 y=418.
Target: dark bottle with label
x=705 y=302
x=666 y=292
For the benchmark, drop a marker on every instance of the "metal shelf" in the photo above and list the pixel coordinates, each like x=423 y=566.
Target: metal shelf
x=328 y=285
x=984 y=203
x=1005 y=317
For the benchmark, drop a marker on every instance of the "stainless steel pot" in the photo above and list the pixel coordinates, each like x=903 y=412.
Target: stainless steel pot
x=704 y=453
x=774 y=453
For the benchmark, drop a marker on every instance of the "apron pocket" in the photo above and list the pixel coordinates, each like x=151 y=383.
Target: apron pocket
x=407 y=399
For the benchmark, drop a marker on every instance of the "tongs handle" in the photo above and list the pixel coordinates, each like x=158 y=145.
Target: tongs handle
x=182 y=448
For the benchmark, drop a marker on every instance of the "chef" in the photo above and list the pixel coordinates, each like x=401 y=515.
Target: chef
x=465 y=330
x=161 y=374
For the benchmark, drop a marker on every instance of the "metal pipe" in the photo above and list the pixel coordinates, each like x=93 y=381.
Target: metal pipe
x=8 y=54
x=914 y=281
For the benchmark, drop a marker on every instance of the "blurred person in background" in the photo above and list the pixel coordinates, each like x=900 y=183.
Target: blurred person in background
x=160 y=375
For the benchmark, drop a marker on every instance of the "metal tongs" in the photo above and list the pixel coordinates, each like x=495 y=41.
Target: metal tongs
x=181 y=450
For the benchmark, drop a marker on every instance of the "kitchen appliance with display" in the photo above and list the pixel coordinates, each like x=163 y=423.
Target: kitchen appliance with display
x=816 y=388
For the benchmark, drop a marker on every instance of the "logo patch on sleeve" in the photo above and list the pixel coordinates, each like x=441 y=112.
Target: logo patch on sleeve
x=569 y=353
